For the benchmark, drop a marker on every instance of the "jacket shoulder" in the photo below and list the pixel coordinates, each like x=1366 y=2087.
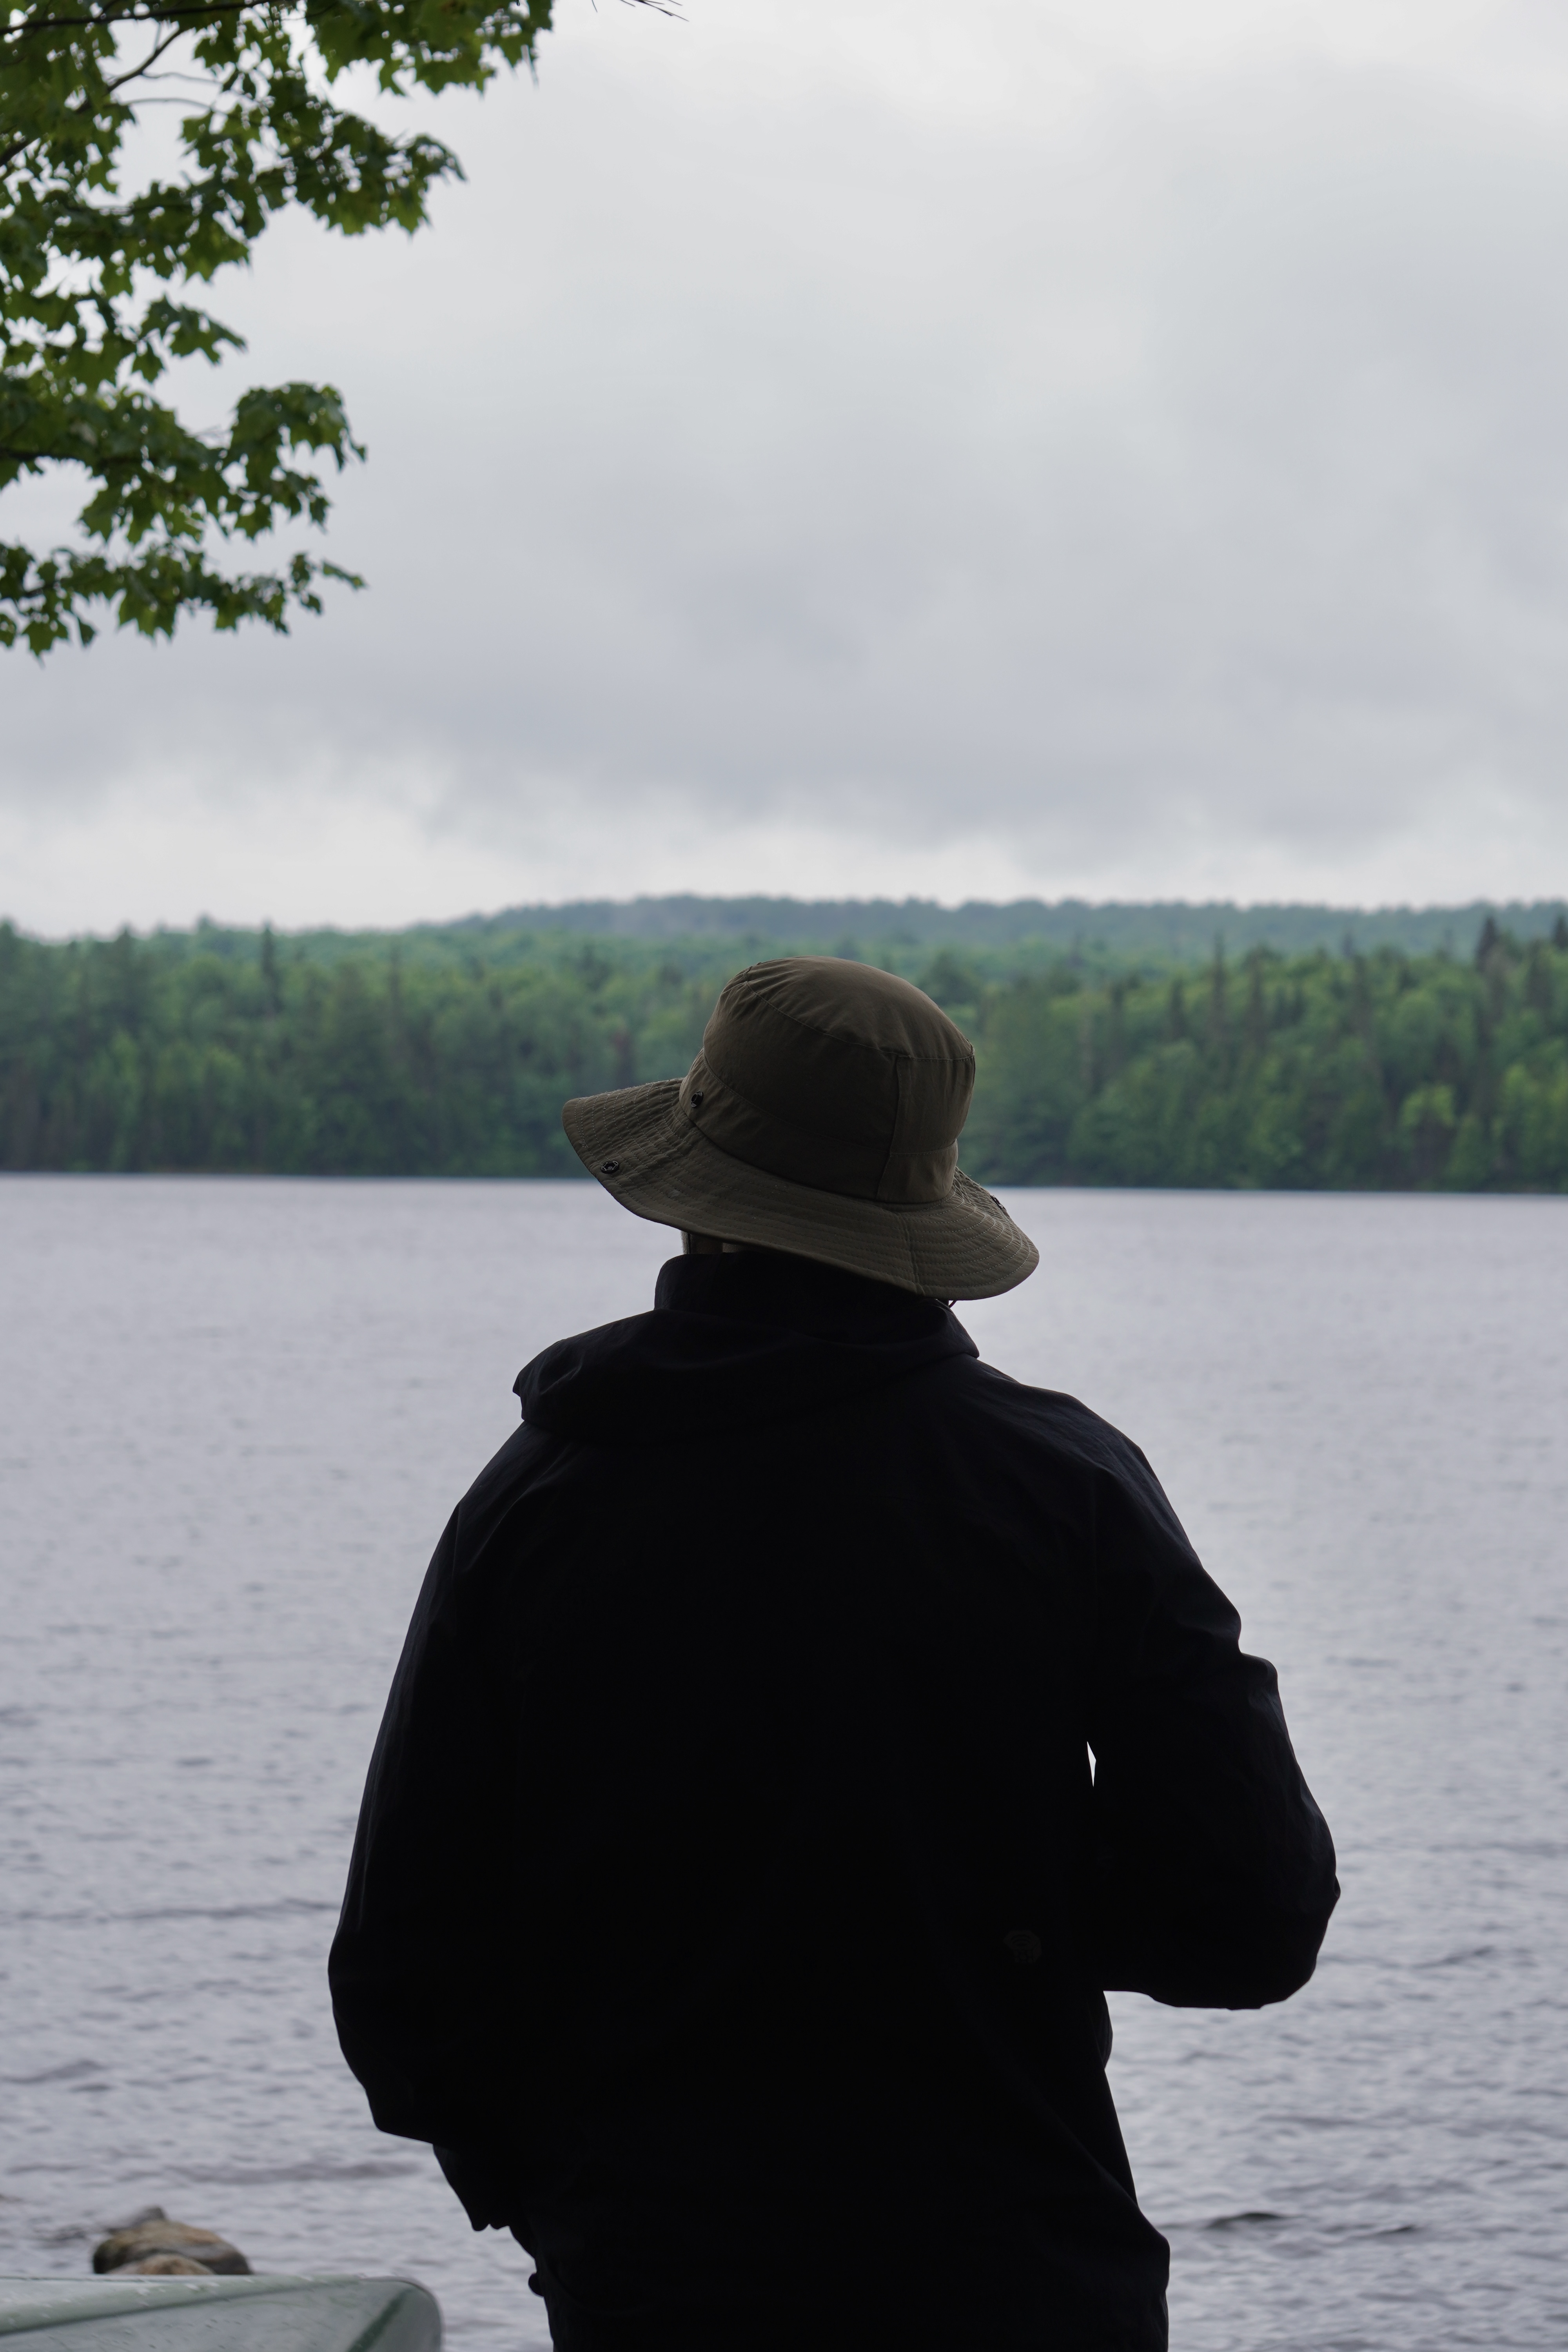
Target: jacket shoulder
x=1042 y=1417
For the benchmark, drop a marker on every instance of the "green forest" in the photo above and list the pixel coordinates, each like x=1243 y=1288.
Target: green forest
x=449 y=1053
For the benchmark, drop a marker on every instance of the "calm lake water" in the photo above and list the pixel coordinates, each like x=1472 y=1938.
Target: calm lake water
x=235 y=1417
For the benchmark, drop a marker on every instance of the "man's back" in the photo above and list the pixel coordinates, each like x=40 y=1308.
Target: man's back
x=733 y=1903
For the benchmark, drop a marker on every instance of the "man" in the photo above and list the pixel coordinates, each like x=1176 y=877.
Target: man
x=801 y=1727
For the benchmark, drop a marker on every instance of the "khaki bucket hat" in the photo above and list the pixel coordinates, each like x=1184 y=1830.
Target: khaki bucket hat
x=821 y=1117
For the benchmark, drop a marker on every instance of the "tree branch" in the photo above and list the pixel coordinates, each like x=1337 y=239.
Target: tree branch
x=153 y=15
x=175 y=33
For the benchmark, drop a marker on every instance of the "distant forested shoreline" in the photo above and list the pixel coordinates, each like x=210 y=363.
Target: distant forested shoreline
x=449 y=1052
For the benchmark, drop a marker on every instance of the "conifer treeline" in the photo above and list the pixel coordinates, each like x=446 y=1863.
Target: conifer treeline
x=226 y=1051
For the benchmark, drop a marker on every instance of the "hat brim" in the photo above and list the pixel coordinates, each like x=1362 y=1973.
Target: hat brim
x=645 y=1152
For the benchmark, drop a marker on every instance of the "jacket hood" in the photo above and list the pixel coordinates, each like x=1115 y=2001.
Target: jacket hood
x=751 y=1336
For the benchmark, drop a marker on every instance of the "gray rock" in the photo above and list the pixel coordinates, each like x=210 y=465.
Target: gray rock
x=153 y=2234
x=165 y=2266
x=134 y=2220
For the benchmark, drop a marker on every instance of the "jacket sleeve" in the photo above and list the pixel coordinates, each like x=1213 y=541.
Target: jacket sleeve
x=1212 y=1868
x=427 y=1937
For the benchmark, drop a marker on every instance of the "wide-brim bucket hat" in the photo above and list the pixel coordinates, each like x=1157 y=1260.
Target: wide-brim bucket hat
x=821 y=1117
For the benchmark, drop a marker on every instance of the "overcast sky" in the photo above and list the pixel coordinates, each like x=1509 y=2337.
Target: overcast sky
x=1116 y=447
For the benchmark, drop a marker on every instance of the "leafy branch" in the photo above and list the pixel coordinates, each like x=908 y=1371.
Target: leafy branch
x=83 y=344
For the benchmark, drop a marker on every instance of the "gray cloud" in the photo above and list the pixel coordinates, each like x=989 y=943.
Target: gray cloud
x=1073 y=468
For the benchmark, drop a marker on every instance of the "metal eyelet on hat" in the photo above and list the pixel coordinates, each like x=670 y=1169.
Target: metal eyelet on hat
x=696 y=1102
x=609 y=1167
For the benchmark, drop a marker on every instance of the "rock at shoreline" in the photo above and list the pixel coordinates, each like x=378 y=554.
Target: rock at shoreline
x=165 y=2266
x=153 y=2246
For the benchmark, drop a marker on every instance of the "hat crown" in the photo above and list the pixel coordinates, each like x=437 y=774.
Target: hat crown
x=837 y=1076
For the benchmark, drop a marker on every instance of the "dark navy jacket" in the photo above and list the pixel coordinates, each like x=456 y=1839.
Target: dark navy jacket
x=734 y=1897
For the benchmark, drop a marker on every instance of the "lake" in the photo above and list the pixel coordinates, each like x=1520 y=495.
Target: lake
x=236 y=1416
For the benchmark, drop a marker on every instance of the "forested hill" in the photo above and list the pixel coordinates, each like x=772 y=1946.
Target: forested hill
x=1165 y=931
x=444 y=1052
